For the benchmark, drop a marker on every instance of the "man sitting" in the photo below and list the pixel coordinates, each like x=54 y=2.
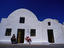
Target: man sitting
x=13 y=39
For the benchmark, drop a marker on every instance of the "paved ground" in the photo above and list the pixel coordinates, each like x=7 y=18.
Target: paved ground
x=32 y=46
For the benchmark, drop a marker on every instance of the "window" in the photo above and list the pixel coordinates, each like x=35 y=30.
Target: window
x=22 y=19
x=50 y=35
x=33 y=32
x=49 y=23
x=8 y=32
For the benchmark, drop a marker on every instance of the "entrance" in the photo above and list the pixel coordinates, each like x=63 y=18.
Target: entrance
x=50 y=36
x=20 y=36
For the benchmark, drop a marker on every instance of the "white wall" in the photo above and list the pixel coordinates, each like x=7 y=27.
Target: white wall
x=31 y=22
x=12 y=22
x=57 y=30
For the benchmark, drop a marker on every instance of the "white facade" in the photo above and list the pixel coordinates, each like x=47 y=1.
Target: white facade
x=31 y=22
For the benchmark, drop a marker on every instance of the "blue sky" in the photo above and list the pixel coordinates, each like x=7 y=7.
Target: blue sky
x=41 y=8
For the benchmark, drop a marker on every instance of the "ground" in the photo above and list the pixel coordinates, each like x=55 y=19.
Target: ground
x=32 y=46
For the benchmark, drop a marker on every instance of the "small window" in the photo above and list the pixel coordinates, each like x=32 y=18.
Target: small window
x=8 y=32
x=49 y=23
x=33 y=32
x=22 y=19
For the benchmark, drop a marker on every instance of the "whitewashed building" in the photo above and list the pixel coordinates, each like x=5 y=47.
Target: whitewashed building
x=23 y=22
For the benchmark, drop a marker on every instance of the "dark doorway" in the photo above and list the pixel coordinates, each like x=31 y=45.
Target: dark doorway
x=50 y=35
x=20 y=36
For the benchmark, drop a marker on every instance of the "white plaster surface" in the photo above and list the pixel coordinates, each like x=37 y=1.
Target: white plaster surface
x=31 y=22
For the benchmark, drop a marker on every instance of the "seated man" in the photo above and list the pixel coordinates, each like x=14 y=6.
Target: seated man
x=13 y=39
